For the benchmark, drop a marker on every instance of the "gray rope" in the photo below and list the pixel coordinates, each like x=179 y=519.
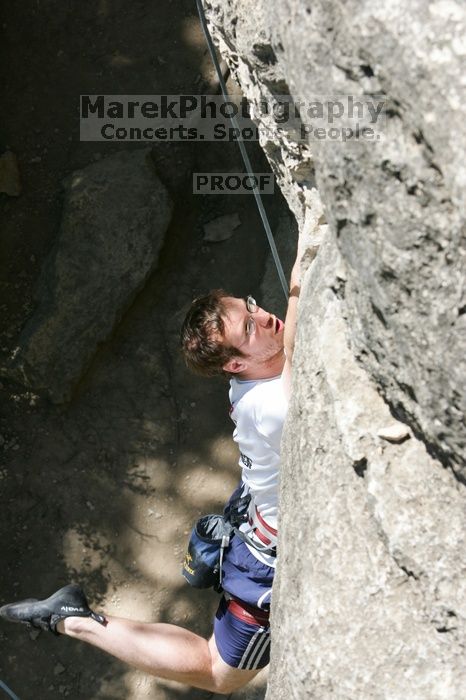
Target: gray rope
x=247 y=162
x=8 y=691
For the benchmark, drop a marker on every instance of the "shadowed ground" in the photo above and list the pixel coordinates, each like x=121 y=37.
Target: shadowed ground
x=105 y=490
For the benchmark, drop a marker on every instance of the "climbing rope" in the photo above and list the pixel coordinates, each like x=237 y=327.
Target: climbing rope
x=242 y=148
x=8 y=691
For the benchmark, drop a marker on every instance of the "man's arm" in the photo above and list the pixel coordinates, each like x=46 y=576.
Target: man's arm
x=290 y=323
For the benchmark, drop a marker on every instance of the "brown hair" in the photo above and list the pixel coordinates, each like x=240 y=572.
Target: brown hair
x=202 y=335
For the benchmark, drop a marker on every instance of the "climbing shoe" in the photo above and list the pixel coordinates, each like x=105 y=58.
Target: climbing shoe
x=69 y=601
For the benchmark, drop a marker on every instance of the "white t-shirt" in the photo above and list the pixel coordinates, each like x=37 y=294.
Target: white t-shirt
x=258 y=409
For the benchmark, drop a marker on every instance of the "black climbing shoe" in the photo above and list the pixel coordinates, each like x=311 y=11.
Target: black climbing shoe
x=69 y=601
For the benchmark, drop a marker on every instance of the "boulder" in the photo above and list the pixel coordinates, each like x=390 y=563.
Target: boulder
x=115 y=216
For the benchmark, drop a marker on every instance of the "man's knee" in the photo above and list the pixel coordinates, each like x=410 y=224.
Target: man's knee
x=226 y=679
x=224 y=688
x=233 y=679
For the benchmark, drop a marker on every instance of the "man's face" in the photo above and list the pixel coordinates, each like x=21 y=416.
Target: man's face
x=263 y=348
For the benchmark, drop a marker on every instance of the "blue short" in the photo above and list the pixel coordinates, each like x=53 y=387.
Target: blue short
x=245 y=577
x=241 y=644
x=244 y=642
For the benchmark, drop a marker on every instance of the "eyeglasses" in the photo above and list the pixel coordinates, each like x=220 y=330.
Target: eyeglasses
x=252 y=307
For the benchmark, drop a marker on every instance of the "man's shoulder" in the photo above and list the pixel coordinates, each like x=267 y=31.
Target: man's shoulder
x=255 y=389
x=260 y=397
x=271 y=401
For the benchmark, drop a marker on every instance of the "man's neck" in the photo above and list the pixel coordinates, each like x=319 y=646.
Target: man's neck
x=266 y=370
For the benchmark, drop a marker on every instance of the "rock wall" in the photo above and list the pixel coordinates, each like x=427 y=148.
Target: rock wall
x=369 y=596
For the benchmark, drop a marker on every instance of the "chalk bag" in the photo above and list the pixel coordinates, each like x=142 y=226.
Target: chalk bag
x=202 y=565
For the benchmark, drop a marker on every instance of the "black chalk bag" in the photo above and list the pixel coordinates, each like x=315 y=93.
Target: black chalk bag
x=202 y=565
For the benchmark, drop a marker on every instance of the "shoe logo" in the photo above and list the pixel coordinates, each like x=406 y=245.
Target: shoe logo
x=69 y=608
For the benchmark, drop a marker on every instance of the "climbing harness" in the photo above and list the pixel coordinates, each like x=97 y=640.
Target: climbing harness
x=247 y=613
x=262 y=530
x=242 y=148
x=241 y=512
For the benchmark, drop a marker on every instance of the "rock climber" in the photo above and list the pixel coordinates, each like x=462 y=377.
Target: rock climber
x=235 y=337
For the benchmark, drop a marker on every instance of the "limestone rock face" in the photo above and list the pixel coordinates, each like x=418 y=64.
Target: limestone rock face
x=370 y=590
x=116 y=213
x=375 y=558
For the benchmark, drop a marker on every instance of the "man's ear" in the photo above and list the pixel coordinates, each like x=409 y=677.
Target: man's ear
x=234 y=366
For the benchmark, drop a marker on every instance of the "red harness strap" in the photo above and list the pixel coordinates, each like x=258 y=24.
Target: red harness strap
x=248 y=613
x=260 y=535
x=266 y=525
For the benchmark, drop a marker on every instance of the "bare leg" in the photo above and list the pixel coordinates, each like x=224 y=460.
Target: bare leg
x=165 y=651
